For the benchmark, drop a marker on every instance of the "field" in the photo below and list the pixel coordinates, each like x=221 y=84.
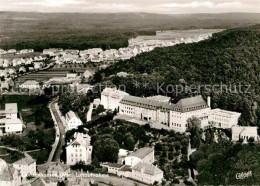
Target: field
x=82 y=31
x=56 y=71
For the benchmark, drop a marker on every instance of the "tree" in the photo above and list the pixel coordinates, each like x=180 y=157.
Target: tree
x=106 y=150
x=195 y=133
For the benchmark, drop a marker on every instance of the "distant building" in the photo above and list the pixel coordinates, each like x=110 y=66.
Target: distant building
x=52 y=51
x=30 y=84
x=26 y=166
x=71 y=75
x=72 y=120
x=24 y=51
x=147 y=173
x=144 y=155
x=110 y=98
x=79 y=149
x=244 y=133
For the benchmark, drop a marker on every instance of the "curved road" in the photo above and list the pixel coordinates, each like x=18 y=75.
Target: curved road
x=57 y=148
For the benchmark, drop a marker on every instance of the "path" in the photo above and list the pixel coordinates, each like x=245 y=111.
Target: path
x=89 y=114
x=14 y=149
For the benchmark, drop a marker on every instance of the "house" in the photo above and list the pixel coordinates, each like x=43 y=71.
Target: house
x=22 y=69
x=11 y=51
x=122 y=74
x=30 y=84
x=52 y=51
x=60 y=170
x=4 y=85
x=38 y=65
x=144 y=155
x=9 y=176
x=9 y=122
x=79 y=150
x=24 y=51
x=244 y=133
x=26 y=166
x=110 y=98
x=87 y=74
x=147 y=173
x=112 y=168
x=72 y=51
x=71 y=75
x=72 y=120
x=122 y=153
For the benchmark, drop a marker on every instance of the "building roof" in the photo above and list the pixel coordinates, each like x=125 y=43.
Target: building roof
x=71 y=115
x=13 y=121
x=160 y=98
x=140 y=102
x=225 y=113
x=25 y=161
x=31 y=82
x=191 y=103
x=141 y=153
x=7 y=174
x=11 y=108
x=147 y=169
x=114 y=165
x=57 y=166
x=244 y=130
x=38 y=182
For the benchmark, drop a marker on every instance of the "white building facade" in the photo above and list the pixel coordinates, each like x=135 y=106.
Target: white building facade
x=9 y=122
x=26 y=166
x=79 y=149
x=244 y=133
x=110 y=98
x=143 y=155
x=147 y=173
x=72 y=120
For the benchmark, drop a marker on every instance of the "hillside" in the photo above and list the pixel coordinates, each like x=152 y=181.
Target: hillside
x=229 y=58
x=78 y=30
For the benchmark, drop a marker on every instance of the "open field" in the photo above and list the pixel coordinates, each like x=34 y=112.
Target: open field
x=56 y=71
x=73 y=30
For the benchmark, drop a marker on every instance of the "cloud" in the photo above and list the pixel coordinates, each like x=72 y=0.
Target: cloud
x=54 y=3
x=153 y=6
x=207 y=4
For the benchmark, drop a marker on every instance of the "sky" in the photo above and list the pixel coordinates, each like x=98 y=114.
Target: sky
x=151 y=6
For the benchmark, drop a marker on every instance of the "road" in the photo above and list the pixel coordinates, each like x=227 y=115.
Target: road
x=61 y=135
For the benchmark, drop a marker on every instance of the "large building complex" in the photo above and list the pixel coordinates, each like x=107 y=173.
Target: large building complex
x=9 y=121
x=110 y=98
x=159 y=109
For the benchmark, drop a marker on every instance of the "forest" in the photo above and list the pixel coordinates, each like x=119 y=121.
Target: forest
x=81 y=31
x=229 y=60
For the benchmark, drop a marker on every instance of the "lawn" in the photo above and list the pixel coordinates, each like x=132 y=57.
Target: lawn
x=40 y=156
